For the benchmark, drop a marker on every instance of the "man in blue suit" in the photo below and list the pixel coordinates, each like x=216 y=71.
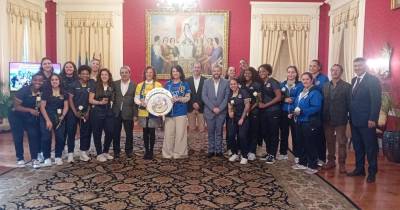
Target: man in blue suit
x=364 y=113
x=215 y=97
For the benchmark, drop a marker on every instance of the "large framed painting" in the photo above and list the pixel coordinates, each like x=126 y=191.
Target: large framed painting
x=183 y=38
x=395 y=4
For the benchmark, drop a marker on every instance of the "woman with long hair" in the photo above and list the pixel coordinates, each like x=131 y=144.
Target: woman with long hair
x=102 y=116
x=147 y=121
x=290 y=89
x=307 y=114
x=253 y=88
x=53 y=107
x=175 y=130
x=46 y=70
x=238 y=123
x=25 y=116
x=69 y=76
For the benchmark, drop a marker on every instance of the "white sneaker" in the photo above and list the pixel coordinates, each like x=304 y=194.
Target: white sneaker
x=40 y=157
x=296 y=160
x=70 y=158
x=84 y=156
x=251 y=156
x=35 y=164
x=282 y=157
x=320 y=163
x=299 y=167
x=101 y=158
x=21 y=163
x=229 y=153
x=243 y=161
x=311 y=171
x=46 y=163
x=234 y=157
x=108 y=156
x=58 y=161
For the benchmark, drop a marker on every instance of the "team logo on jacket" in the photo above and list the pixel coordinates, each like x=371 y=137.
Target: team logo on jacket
x=317 y=82
x=268 y=85
x=182 y=89
x=239 y=96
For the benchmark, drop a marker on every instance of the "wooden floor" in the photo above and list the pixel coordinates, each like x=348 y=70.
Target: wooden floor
x=382 y=195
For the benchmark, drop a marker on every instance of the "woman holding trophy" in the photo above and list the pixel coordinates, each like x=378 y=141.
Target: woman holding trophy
x=148 y=122
x=25 y=116
x=102 y=116
x=175 y=139
x=53 y=107
x=79 y=105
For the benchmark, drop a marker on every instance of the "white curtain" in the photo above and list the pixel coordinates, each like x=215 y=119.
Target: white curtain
x=25 y=18
x=294 y=29
x=344 y=30
x=88 y=35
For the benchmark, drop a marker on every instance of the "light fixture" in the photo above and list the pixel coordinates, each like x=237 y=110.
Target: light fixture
x=381 y=65
x=178 y=5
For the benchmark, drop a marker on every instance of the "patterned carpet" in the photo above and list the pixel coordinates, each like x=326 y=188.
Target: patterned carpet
x=194 y=183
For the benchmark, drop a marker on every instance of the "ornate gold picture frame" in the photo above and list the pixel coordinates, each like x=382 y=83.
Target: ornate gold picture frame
x=395 y=4
x=183 y=38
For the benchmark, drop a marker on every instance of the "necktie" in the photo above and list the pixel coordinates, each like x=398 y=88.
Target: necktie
x=356 y=84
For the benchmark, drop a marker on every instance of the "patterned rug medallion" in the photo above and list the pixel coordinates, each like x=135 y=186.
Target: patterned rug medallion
x=197 y=182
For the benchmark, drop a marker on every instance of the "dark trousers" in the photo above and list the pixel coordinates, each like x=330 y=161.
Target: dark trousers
x=128 y=127
x=270 y=128
x=84 y=132
x=287 y=123
x=32 y=128
x=238 y=136
x=102 y=120
x=307 y=137
x=365 y=143
x=149 y=138
x=228 y=145
x=46 y=136
x=253 y=132
x=321 y=145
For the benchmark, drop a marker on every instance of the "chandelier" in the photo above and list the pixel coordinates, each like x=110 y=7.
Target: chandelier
x=178 y=5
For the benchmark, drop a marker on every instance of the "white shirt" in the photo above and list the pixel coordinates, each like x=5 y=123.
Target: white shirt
x=124 y=87
x=216 y=84
x=196 y=83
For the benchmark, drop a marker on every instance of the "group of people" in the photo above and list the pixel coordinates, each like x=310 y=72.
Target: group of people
x=253 y=106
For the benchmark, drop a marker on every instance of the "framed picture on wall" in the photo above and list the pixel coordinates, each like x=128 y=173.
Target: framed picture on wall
x=395 y=4
x=183 y=38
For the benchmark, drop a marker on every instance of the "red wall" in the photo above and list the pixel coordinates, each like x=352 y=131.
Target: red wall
x=134 y=30
x=382 y=25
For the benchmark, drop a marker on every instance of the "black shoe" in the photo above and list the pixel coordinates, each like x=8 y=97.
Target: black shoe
x=210 y=155
x=219 y=154
x=116 y=156
x=371 y=179
x=356 y=173
x=129 y=155
x=146 y=156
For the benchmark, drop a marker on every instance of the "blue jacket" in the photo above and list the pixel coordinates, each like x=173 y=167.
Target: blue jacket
x=292 y=93
x=310 y=106
x=320 y=81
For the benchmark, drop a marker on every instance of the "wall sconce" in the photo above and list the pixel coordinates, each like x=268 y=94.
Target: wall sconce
x=178 y=5
x=381 y=66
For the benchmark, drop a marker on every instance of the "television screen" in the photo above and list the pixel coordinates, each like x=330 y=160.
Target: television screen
x=21 y=73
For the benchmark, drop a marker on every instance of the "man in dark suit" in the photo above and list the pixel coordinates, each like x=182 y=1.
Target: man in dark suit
x=364 y=113
x=196 y=104
x=124 y=110
x=337 y=94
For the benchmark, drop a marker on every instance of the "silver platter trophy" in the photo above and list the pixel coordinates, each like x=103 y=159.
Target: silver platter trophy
x=159 y=102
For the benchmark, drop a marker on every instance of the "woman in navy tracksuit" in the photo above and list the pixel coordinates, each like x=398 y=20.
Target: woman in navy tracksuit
x=53 y=107
x=25 y=116
x=290 y=88
x=69 y=76
x=101 y=115
x=306 y=114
